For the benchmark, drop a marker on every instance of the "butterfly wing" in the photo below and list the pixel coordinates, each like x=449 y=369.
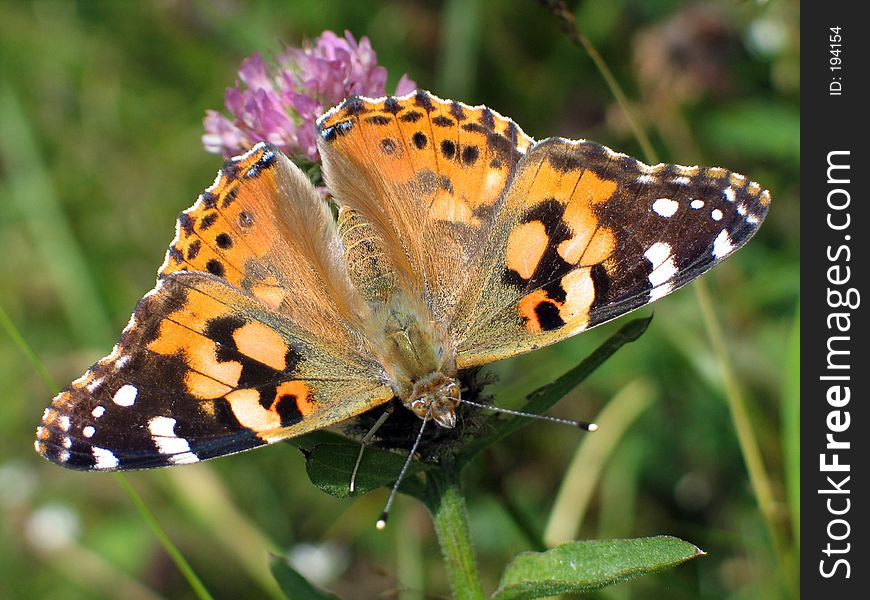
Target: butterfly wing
x=220 y=359
x=584 y=235
x=263 y=228
x=420 y=178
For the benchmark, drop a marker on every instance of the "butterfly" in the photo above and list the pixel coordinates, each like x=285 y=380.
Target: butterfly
x=459 y=240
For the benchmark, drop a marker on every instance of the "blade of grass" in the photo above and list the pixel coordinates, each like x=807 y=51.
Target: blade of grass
x=746 y=438
x=544 y=398
x=177 y=557
x=194 y=581
x=569 y=26
x=12 y=331
x=205 y=497
x=592 y=454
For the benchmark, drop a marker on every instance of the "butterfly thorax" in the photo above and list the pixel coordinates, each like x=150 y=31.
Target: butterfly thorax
x=420 y=362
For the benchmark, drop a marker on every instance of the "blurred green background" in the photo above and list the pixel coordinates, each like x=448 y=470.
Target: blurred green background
x=101 y=107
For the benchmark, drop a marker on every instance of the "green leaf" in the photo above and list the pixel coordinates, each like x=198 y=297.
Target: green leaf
x=543 y=399
x=579 y=567
x=294 y=585
x=330 y=466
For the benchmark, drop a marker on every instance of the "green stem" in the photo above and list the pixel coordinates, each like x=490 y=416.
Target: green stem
x=447 y=505
x=7 y=325
x=569 y=25
x=177 y=557
x=746 y=438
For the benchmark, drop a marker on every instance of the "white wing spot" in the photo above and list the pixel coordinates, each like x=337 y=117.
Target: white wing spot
x=104 y=459
x=729 y=194
x=664 y=269
x=96 y=383
x=63 y=456
x=184 y=458
x=722 y=245
x=665 y=207
x=65 y=422
x=646 y=179
x=98 y=411
x=657 y=254
x=696 y=204
x=125 y=396
x=716 y=214
x=88 y=431
x=163 y=435
x=66 y=442
x=682 y=181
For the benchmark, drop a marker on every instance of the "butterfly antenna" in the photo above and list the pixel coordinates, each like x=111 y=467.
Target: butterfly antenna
x=365 y=442
x=382 y=522
x=585 y=425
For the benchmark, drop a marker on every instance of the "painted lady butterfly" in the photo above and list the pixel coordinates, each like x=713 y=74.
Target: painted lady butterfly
x=459 y=241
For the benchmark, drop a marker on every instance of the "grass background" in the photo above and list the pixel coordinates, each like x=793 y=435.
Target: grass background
x=101 y=105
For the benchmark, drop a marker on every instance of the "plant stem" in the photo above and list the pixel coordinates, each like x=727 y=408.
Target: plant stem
x=174 y=553
x=447 y=505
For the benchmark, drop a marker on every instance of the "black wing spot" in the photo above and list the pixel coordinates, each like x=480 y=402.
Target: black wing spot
x=469 y=155
x=215 y=267
x=412 y=116
x=186 y=222
x=420 y=140
x=548 y=316
x=391 y=105
x=230 y=197
x=442 y=121
x=378 y=120
x=423 y=100
x=245 y=219
x=448 y=149
x=207 y=221
x=224 y=241
x=193 y=249
x=388 y=146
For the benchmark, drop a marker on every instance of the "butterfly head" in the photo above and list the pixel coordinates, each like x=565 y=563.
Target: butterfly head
x=436 y=395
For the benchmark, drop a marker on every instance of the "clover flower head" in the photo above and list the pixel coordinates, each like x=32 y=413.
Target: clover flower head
x=280 y=105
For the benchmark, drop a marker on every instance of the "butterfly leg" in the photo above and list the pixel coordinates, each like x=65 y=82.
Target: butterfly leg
x=365 y=441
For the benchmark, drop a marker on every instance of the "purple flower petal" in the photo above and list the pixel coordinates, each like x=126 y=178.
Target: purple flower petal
x=281 y=107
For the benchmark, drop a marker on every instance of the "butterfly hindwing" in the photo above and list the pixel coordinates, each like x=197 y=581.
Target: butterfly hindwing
x=585 y=234
x=203 y=370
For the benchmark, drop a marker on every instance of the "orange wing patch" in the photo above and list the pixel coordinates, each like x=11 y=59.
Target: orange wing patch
x=225 y=227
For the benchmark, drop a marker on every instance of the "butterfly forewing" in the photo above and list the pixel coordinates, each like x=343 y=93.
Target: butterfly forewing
x=426 y=174
x=585 y=234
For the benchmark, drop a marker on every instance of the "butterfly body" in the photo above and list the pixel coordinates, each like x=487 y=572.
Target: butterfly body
x=419 y=360
x=459 y=241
